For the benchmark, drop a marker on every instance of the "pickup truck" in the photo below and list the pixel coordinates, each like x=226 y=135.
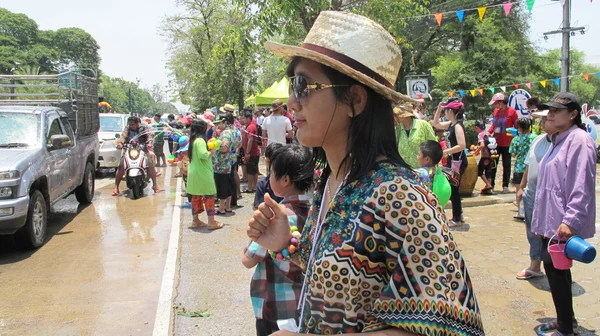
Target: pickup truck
x=46 y=152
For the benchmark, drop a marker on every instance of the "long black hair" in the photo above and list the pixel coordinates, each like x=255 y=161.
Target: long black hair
x=371 y=133
x=198 y=130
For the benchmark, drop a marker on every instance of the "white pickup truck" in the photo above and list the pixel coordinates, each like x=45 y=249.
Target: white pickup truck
x=48 y=149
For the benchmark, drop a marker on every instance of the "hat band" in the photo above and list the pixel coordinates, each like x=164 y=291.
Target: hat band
x=354 y=64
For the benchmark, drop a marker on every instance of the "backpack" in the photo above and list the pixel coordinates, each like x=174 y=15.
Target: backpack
x=491 y=144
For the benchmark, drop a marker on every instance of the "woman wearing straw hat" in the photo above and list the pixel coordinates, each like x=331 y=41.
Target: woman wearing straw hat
x=376 y=247
x=411 y=132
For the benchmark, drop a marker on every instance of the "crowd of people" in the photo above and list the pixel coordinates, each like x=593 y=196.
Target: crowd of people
x=349 y=233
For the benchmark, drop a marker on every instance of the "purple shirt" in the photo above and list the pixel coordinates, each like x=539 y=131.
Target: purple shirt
x=566 y=185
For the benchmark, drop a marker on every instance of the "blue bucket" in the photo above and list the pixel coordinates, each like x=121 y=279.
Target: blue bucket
x=578 y=249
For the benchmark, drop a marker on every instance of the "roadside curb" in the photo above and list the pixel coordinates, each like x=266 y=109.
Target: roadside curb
x=477 y=200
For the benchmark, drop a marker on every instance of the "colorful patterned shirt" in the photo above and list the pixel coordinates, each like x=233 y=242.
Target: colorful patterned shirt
x=426 y=175
x=275 y=287
x=385 y=259
x=236 y=143
x=222 y=162
x=520 y=148
x=408 y=145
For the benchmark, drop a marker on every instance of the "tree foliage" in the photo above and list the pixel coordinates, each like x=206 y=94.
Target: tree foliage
x=213 y=53
x=117 y=92
x=22 y=44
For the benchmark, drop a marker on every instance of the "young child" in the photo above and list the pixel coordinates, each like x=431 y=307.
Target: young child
x=486 y=164
x=519 y=148
x=429 y=156
x=264 y=186
x=183 y=162
x=276 y=285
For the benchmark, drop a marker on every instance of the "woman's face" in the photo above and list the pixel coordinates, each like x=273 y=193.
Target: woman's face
x=314 y=114
x=560 y=119
x=449 y=114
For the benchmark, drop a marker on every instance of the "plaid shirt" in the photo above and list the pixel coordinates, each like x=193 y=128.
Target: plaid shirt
x=276 y=285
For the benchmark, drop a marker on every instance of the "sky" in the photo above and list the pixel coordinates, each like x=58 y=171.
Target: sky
x=132 y=48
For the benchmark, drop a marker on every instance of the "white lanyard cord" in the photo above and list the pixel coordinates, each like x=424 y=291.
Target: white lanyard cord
x=316 y=237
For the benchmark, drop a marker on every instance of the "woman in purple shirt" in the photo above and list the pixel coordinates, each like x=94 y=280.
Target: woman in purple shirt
x=565 y=201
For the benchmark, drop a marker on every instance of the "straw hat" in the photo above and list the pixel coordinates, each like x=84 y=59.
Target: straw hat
x=227 y=108
x=353 y=45
x=401 y=111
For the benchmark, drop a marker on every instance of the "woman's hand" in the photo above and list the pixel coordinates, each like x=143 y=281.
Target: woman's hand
x=284 y=333
x=269 y=226
x=565 y=232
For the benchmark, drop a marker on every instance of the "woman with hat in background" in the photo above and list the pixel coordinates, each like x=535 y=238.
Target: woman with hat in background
x=565 y=199
x=504 y=118
x=410 y=133
x=375 y=247
x=455 y=148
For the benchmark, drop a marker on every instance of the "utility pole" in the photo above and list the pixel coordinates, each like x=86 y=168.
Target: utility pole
x=567 y=31
x=130 y=101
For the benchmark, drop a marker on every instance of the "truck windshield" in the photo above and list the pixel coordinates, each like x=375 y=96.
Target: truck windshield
x=19 y=129
x=111 y=124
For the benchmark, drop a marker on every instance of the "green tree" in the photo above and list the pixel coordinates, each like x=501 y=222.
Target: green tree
x=23 y=44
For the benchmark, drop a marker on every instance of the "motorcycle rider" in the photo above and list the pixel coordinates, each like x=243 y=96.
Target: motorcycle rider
x=146 y=139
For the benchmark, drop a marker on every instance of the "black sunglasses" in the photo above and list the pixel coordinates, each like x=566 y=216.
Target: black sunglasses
x=300 y=87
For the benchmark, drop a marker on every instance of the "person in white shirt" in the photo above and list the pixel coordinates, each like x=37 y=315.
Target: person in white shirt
x=276 y=127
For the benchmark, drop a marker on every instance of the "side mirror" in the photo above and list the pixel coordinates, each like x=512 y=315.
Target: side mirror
x=60 y=141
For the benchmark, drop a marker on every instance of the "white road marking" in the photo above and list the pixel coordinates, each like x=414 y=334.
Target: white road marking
x=162 y=322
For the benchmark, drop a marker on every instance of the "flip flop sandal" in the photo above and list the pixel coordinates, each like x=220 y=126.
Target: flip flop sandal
x=543 y=328
x=529 y=274
x=115 y=193
x=228 y=211
x=518 y=216
x=221 y=213
x=454 y=224
x=218 y=225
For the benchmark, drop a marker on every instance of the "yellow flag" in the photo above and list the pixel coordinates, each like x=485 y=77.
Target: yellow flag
x=451 y=93
x=543 y=82
x=481 y=11
x=472 y=92
x=480 y=91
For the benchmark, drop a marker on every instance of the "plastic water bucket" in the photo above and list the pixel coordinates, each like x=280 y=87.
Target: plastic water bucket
x=559 y=258
x=578 y=249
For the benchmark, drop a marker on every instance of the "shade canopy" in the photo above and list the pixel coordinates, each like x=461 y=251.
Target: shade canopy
x=278 y=90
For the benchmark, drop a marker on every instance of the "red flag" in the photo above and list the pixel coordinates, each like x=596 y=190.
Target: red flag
x=516 y=86
x=586 y=76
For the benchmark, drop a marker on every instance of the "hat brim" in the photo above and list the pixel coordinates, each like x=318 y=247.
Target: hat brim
x=543 y=113
x=548 y=105
x=288 y=52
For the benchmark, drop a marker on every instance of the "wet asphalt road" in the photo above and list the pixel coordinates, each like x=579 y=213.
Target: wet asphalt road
x=99 y=272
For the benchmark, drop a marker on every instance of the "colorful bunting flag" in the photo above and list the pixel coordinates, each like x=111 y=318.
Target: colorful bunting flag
x=516 y=86
x=507 y=6
x=503 y=88
x=528 y=85
x=472 y=92
x=438 y=18
x=461 y=15
x=556 y=81
x=586 y=76
x=480 y=91
x=492 y=90
x=420 y=95
x=543 y=82
x=451 y=93
x=462 y=93
x=598 y=73
x=481 y=11
x=530 y=5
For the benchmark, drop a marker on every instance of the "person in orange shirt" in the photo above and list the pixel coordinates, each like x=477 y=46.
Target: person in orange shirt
x=504 y=118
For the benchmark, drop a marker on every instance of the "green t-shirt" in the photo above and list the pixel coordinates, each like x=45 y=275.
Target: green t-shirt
x=408 y=145
x=201 y=181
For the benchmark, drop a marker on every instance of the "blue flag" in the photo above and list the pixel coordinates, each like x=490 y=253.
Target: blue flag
x=557 y=81
x=461 y=15
x=462 y=93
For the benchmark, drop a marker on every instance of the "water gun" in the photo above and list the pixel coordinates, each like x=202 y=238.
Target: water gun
x=512 y=132
x=213 y=144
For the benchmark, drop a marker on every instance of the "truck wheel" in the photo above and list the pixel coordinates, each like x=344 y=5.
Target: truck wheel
x=33 y=234
x=85 y=192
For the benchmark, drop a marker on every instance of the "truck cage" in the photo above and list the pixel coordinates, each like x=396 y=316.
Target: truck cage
x=71 y=91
